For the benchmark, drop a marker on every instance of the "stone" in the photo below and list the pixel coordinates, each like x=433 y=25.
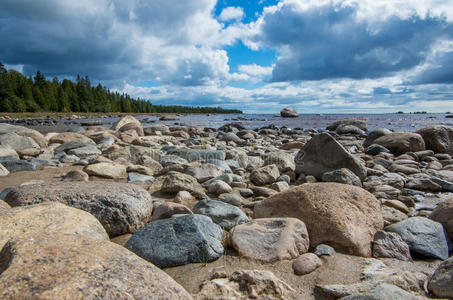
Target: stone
x=3 y=171
x=71 y=145
x=357 y=123
x=444 y=184
x=168 y=209
x=65 y=137
x=12 y=164
x=443 y=213
x=84 y=152
x=246 y=192
x=391 y=245
x=265 y=175
x=324 y=250
x=75 y=175
x=176 y=182
x=178 y=241
x=120 y=207
x=343 y=216
x=106 y=170
x=128 y=119
x=203 y=172
x=324 y=154
x=397 y=205
x=223 y=214
x=423 y=236
x=271 y=239
x=8 y=151
x=169 y=160
x=283 y=160
x=197 y=154
x=280 y=186
x=376 y=133
x=306 y=263
x=289 y=113
x=218 y=187
x=137 y=177
x=154 y=129
x=438 y=138
x=247 y=284
x=376 y=149
x=67 y=266
x=231 y=137
x=349 y=129
x=401 y=142
x=342 y=175
x=260 y=191
x=292 y=145
x=17 y=142
x=384 y=291
x=23 y=131
x=232 y=198
x=183 y=197
x=48 y=219
x=441 y=282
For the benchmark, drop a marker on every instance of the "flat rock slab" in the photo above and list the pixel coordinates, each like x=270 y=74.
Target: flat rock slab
x=47 y=219
x=76 y=267
x=423 y=236
x=271 y=239
x=178 y=241
x=120 y=207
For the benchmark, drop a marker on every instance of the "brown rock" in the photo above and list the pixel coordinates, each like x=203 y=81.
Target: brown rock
x=401 y=142
x=392 y=215
x=168 y=209
x=443 y=214
x=176 y=182
x=438 y=138
x=48 y=219
x=203 y=171
x=128 y=119
x=292 y=145
x=106 y=170
x=343 y=216
x=65 y=137
x=76 y=267
x=271 y=239
x=306 y=263
x=132 y=126
x=265 y=175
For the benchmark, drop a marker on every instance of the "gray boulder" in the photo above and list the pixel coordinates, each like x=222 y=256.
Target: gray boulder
x=289 y=113
x=423 y=236
x=13 y=164
x=225 y=215
x=178 y=241
x=17 y=142
x=438 y=138
x=120 y=207
x=324 y=154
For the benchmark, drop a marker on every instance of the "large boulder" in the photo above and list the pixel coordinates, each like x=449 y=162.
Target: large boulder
x=223 y=214
x=438 y=138
x=289 y=113
x=17 y=142
x=68 y=266
x=443 y=214
x=441 y=282
x=343 y=216
x=65 y=137
x=175 y=182
x=324 y=154
x=376 y=133
x=271 y=239
x=178 y=241
x=47 y=219
x=128 y=119
x=23 y=131
x=423 y=236
x=401 y=142
x=120 y=207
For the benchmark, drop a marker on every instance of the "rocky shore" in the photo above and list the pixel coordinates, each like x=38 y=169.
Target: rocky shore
x=162 y=212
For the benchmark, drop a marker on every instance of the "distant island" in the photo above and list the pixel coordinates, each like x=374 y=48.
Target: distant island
x=19 y=93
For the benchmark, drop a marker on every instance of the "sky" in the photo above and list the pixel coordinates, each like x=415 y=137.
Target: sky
x=317 y=56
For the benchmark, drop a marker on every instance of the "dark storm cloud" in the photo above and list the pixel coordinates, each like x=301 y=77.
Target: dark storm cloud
x=440 y=72
x=330 y=42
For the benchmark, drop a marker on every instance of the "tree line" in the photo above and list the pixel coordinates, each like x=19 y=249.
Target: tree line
x=19 y=93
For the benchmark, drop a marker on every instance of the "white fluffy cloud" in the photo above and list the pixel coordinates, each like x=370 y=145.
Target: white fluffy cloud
x=231 y=13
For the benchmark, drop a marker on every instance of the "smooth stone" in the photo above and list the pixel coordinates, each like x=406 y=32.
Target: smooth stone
x=106 y=170
x=324 y=250
x=289 y=113
x=219 y=187
x=86 y=151
x=232 y=198
x=203 y=171
x=17 y=142
x=176 y=182
x=423 y=236
x=65 y=137
x=443 y=214
x=137 y=177
x=342 y=175
x=438 y=138
x=401 y=142
x=376 y=133
x=306 y=263
x=75 y=175
x=168 y=209
x=12 y=164
x=223 y=214
x=376 y=149
x=178 y=241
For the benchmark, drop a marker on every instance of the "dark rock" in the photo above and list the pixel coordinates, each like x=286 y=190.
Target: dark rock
x=225 y=215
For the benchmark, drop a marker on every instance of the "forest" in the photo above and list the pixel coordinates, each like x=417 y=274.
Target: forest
x=19 y=93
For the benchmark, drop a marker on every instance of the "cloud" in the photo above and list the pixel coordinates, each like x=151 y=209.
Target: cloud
x=231 y=13
x=169 y=41
x=339 y=39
